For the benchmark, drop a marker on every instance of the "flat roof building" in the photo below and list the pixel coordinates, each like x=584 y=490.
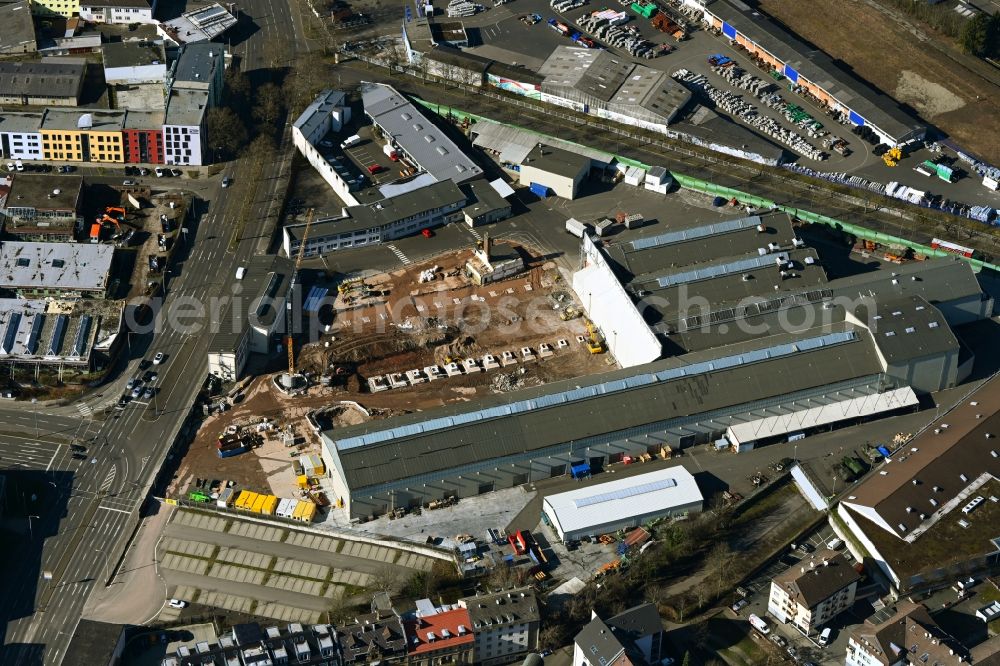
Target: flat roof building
x=67 y=333
x=198 y=25
x=487 y=205
x=385 y=220
x=131 y=63
x=118 y=12
x=604 y=84
x=42 y=83
x=608 y=507
x=55 y=269
x=558 y=171
x=41 y=207
x=415 y=135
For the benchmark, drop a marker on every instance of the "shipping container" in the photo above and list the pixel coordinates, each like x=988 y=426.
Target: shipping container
x=245 y=497
x=229 y=453
x=225 y=498
x=258 y=503
x=539 y=190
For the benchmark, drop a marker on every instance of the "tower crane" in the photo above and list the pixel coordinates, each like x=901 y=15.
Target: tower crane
x=295 y=278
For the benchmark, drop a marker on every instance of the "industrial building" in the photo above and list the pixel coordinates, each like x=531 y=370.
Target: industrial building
x=929 y=516
x=327 y=114
x=415 y=136
x=511 y=439
x=76 y=333
x=62 y=270
x=811 y=69
x=601 y=83
x=17 y=30
x=701 y=286
x=41 y=83
x=605 y=508
x=547 y=169
x=133 y=63
x=254 y=320
x=41 y=207
x=811 y=593
x=488 y=202
x=385 y=220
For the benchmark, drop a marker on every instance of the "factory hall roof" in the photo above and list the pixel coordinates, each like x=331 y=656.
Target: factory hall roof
x=44 y=192
x=532 y=419
x=319 y=111
x=67 y=266
x=635 y=496
x=414 y=132
x=908 y=327
x=41 y=79
x=817 y=578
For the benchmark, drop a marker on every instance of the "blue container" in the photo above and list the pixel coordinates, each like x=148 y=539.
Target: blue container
x=884 y=451
x=233 y=452
x=539 y=190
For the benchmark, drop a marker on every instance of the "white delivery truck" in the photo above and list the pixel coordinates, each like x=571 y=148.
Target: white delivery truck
x=352 y=140
x=576 y=227
x=759 y=624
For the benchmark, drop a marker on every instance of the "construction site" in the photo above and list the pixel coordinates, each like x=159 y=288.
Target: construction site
x=420 y=337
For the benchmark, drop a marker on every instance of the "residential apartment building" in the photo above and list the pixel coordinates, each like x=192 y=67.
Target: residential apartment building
x=184 y=127
x=813 y=592
x=20 y=138
x=64 y=8
x=377 y=637
x=200 y=67
x=41 y=83
x=142 y=137
x=249 y=644
x=632 y=637
x=902 y=636
x=83 y=136
x=120 y=12
x=443 y=637
x=505 y=625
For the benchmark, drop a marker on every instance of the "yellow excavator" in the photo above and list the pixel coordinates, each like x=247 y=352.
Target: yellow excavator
x=594 y=343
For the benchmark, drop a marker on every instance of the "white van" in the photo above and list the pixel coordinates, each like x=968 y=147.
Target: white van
x=759 y=624
x=835 y=544
x=824 y=637
x=240 y=272
x=352 y=140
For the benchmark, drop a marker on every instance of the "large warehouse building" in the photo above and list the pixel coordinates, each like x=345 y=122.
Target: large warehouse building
x=622 y=504
x=813 y=70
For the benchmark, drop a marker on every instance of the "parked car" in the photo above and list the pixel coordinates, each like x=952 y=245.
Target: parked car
x=79 y=456
x=148 y=393
x=159 y=172
x=227 y=181
x=143 y=171
x=136 y=392
x=791 y=651
x=177 y=173
x=779 y=640
x=426 y=233
x=177 y=603
x=739 y=605
x=129 y=183
x=159 y=358
x=130 y=384
x=150 y=377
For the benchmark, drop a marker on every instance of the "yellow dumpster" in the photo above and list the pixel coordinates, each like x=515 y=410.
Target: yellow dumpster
x=258 y=503
x=241 y=499
x=270 y=504
x=308 y=512
x=303 y=481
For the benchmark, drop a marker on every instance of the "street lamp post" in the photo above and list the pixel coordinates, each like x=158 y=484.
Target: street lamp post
x=31 y=531
x=34 y=412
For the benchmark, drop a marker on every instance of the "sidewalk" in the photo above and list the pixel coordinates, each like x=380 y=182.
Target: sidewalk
x=137 y=593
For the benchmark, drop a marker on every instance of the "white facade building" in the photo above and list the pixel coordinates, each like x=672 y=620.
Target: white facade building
x=323 y=118
x=813 y=592
x=19 y=136
x=121 y=12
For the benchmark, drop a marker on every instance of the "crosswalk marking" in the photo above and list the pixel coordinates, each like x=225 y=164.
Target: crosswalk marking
x=399 y=255
x=476 y=234
x=85 y=410
x=109 y=479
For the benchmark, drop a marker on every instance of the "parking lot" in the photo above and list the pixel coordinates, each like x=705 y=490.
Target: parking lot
x=272 y=570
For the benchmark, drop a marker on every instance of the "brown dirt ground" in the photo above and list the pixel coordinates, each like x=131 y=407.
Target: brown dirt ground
x=370 y=352
x=888 y=56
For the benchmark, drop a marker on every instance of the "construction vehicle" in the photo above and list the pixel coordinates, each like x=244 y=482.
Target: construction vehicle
x=289 y=342
x=594 y=344
x=892 y=157
x=569 y=313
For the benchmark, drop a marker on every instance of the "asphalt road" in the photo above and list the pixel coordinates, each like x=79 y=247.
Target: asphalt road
x=84 y=520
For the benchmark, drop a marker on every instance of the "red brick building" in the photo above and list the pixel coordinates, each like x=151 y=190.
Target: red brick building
x=142 y=138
